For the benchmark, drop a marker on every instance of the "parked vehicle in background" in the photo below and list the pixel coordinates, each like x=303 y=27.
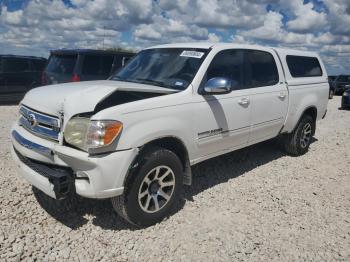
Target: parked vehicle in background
x=345 y=100
x=331 y=86
x=82 y=65
x=19 y=74
x=331 y=78
x=339 y=84
x=135 y=136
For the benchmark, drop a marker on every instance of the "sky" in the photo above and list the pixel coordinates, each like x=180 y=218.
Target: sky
x=33 y=27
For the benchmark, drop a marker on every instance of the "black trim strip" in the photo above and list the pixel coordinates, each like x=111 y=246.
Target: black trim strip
x=228 y=131
x=222 y=132
x=308 y=84
x=265 y=122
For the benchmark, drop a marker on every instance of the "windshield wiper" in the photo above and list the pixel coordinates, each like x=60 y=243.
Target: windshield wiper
x=154 y=82
x=145 y=81
x=151 y=81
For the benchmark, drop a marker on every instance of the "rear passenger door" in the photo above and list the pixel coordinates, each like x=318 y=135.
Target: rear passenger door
x=268 y=94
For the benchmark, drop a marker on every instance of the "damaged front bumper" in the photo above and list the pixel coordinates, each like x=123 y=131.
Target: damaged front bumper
x=57 y=170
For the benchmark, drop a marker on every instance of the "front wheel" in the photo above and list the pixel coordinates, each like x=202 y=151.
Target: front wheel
x=298 y=142
x=152 y=189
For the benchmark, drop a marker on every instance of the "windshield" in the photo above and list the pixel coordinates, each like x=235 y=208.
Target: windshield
x=61 y=64
x=172 y=68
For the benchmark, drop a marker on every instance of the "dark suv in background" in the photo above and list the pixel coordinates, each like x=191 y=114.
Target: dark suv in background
x=82 y=65
x=339 y=84
x=19 y=74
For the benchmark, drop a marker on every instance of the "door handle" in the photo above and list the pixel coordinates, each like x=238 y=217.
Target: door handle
x=244 y=101
x=282 y=96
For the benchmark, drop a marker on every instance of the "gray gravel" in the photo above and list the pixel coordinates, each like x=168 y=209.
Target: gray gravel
x=266 y=206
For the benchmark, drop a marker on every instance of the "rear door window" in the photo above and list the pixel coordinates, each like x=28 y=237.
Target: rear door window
x=261 y=69
x=12 y=65
x=97 y=65
x=61 y=64
x=303 y=66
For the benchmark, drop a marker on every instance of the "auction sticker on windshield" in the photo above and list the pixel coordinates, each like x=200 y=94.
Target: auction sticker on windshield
x=193 y=54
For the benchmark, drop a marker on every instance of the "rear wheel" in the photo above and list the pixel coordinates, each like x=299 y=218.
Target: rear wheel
x=298 y=142
x=152 y=189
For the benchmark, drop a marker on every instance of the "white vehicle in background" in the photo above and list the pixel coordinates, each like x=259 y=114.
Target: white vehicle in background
x=134 y=137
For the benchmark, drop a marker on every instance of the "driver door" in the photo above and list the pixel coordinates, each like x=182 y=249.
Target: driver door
x=222 y=121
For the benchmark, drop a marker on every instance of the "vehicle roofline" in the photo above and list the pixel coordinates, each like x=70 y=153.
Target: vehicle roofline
x=23 y=56
x=95 y=51
x=223 y=45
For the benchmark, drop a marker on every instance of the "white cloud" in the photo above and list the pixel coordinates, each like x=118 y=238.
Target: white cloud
x=165 y=30
x=307 y=19
x=214 y=38
x=339 y=49
x=216 y=13
x=11 y=18
x=339 y=16
x=45 y=24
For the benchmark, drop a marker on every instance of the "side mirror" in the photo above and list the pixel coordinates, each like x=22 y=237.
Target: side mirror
x=217 y=86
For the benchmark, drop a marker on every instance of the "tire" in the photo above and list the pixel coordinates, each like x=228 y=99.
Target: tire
x=331 y=94
x=146 y=186
x=295 y=143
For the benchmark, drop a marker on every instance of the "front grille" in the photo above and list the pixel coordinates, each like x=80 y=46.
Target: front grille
x=40 y=124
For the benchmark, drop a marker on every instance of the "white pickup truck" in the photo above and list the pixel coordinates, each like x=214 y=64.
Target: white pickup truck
x=133 y=138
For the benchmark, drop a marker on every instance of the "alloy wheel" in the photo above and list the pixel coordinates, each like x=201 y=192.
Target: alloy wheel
x=156 y=189
x=305 y=135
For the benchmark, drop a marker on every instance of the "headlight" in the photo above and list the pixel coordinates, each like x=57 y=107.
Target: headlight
x=346 y=94
x=86 y=134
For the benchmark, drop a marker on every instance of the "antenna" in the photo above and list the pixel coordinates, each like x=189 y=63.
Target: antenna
x=104 y=35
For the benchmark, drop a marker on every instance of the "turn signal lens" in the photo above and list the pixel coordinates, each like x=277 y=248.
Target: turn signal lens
x=103 y=133
x=112 y=130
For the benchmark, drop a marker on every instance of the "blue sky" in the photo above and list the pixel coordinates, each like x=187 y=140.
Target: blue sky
x=33 y=27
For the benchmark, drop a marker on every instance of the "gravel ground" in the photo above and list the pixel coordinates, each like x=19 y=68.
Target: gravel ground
x=267 y=207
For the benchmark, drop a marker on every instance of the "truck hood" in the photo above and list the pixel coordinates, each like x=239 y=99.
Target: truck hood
x=81 y=97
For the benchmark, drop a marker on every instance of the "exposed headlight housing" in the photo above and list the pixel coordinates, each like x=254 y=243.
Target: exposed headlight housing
x=86 y=134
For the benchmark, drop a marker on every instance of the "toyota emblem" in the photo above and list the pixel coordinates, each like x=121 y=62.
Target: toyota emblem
x=32 y=120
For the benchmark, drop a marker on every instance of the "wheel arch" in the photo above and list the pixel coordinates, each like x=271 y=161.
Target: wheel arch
x=311 y=111
x=171 y=143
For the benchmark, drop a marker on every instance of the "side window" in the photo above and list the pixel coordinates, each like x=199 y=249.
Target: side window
x=261 y=69
x=106 y=65
x=91 y=65
x=97 y=65
x=16 y=65
x=228 y=64
x=303 y=66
